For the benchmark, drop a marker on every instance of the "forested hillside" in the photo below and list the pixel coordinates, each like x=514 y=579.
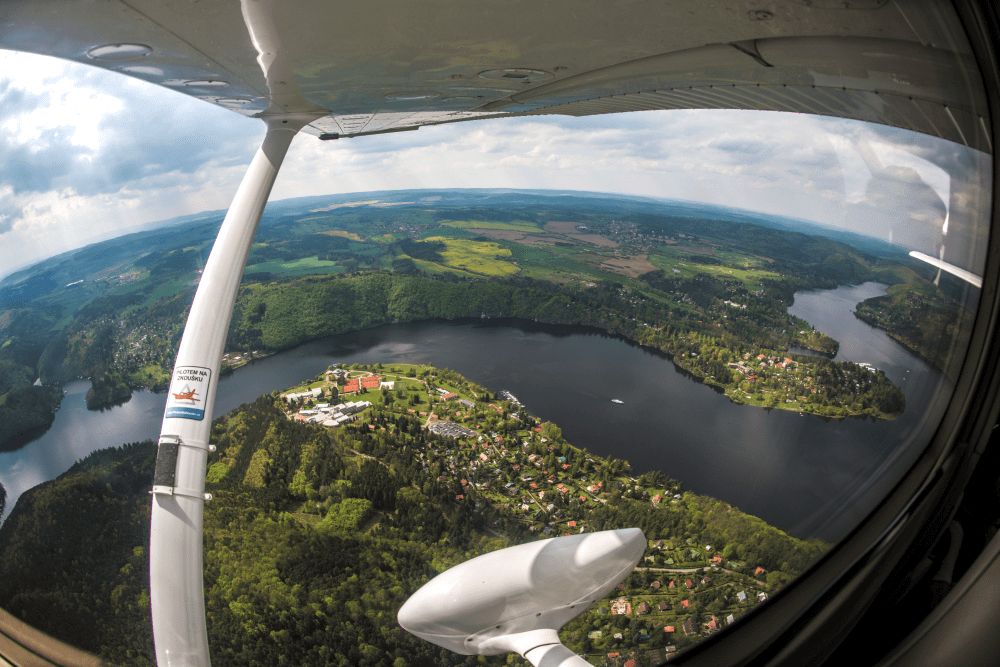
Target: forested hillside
x=316 y=536
x=743 y=355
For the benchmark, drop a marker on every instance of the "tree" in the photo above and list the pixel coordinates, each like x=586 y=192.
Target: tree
x=551 y=431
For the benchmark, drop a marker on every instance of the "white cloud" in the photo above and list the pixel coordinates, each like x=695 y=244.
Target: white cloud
x=87 y=154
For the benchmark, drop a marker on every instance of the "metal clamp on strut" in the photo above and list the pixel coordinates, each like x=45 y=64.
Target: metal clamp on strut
x=165 y=472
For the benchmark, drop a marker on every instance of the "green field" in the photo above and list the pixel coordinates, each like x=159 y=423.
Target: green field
x=516 y=226
x=294 y=268
x=677 y=262
x=480 y=257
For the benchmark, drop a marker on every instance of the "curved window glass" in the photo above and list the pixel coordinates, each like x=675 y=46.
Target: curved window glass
x=733 y=328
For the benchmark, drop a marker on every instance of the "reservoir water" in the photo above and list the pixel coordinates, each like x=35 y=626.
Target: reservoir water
x=811 y=476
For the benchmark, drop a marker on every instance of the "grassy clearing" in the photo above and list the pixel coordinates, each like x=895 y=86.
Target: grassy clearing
x=514 y=226
x=294 y=268
x=675 y=262
x=484 y=258
x=556 y=264
x=433 y=268
x=342 y=233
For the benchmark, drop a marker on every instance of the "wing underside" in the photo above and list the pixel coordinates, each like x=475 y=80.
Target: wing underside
x=391 y=65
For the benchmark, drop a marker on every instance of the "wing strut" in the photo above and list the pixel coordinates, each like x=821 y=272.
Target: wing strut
x=175 y=549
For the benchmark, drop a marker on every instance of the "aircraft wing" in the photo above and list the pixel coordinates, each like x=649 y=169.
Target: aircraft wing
x=391 y=65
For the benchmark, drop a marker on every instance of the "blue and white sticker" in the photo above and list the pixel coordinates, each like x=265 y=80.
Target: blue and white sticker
x=188 y=392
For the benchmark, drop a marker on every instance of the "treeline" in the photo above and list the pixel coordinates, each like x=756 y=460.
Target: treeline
x=690 y=329
x=26 y=409
x=73 y=554
x=925 y=320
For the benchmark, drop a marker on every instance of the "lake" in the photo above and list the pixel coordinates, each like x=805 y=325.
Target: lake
x=811 y=476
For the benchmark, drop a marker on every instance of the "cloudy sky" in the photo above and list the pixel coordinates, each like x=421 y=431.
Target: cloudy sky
x=86 y=155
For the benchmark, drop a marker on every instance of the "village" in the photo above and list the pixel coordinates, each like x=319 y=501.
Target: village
x=496 y=452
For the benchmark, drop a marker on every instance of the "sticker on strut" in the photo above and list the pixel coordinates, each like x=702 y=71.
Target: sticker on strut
x=188 y=392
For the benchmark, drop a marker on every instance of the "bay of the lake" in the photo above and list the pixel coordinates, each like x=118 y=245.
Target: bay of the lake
x=811 y=476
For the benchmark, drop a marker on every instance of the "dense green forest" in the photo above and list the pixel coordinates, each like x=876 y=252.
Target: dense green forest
x=316 y=536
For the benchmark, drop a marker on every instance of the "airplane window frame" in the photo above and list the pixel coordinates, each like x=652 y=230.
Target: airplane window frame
x=811 y=620
x=805 y=623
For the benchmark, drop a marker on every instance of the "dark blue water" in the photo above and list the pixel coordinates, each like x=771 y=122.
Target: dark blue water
x=811 y=476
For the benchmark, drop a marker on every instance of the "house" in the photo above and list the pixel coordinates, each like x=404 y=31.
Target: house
x=759 y=571
x=669 y=629
x=596 y=634
x=629 y=663
x=389 y=384
x=571 y=524
x=689 y=626
x=688 y=584
x=712 y=624
x=655 y=584
x=730 y=619
x=741 y=596
x=302 y=395
x=716 y=559
x=642 y=609
x=621 y=607
x=449 y=396
x=671 y=584
x=685 y=603
x=664 y=606
x=762 y=596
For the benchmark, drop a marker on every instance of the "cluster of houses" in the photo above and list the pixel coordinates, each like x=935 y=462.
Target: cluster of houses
x=622 y=606
x=332 y=415
x=747 y=367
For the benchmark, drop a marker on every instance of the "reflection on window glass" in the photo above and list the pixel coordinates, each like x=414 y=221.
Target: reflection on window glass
x=733 y=329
